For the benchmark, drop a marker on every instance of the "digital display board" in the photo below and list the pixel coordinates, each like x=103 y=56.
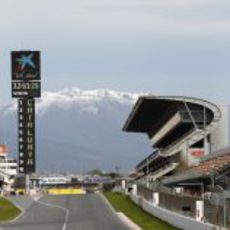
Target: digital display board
x=26 y=89
x=26 y=135
x=25 y=65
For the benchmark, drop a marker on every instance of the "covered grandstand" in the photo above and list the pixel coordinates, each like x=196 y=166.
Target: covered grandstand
x=8 y=169
x=180 y=130
x=188 y=171
x=213 y=169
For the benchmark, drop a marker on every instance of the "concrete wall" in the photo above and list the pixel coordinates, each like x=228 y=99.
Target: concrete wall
x=220 y=138
x=175 y=219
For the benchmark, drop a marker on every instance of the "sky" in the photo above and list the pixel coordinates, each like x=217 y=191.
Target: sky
x=165 y=47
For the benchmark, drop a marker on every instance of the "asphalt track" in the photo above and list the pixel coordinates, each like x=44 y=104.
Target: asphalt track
x=69 y=212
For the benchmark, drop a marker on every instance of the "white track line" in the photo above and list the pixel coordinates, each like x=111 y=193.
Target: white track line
x=128 y=222
x=59 y=207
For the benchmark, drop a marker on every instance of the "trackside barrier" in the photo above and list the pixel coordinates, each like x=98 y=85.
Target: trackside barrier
x=190 y=206
x=173 y=218
x=58 y=191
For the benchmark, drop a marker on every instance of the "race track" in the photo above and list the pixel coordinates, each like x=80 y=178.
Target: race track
x=68 y=212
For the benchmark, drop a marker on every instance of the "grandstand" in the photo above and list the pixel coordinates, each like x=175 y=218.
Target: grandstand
x=213 y=169
x=8 y=169
x=181 y=130
x=189 y=167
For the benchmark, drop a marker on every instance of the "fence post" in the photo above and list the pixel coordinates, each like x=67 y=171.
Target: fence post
x=156 y=198
x=134 y=189
x=123 y=186
x=200 y=210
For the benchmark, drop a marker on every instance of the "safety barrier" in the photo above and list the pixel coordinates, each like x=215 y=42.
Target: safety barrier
x=173 y=218
x=66 y=191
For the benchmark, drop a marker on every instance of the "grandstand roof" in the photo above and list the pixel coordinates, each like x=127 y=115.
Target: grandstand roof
x=148 y=110
x=166 y=119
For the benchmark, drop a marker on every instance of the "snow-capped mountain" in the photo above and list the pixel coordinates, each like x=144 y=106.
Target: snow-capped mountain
x=86 y=100
x=80 y=129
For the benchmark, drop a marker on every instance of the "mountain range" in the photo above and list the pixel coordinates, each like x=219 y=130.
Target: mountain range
x=79 y=130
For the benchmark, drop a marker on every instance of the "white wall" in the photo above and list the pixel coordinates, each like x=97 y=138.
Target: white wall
x=220 y=138
x=175 y=219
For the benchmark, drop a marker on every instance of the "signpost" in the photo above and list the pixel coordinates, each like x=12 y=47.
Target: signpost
x=26 y=86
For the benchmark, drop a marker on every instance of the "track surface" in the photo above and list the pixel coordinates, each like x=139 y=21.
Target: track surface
x=70 y=212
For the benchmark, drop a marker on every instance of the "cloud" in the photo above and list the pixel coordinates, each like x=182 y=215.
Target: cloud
x=111 y=43
x=71 y=19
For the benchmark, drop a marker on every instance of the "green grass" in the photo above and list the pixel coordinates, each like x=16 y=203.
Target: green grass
x=7 y=210
x=122 y=203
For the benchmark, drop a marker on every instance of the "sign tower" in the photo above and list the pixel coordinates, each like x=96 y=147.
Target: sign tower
x=26 y=85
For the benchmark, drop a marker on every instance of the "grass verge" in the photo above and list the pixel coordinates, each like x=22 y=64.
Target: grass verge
x=122 y=203
x=8 y=211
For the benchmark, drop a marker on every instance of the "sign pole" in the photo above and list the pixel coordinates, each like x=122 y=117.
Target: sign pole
x=27 y=184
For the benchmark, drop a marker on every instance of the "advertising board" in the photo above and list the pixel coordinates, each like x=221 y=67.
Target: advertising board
x=25 y=65
x=25 y=68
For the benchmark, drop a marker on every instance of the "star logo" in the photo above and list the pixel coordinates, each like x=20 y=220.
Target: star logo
x=24 y=61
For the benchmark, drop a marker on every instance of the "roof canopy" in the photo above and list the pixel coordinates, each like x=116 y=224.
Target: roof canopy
x=151 y=112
